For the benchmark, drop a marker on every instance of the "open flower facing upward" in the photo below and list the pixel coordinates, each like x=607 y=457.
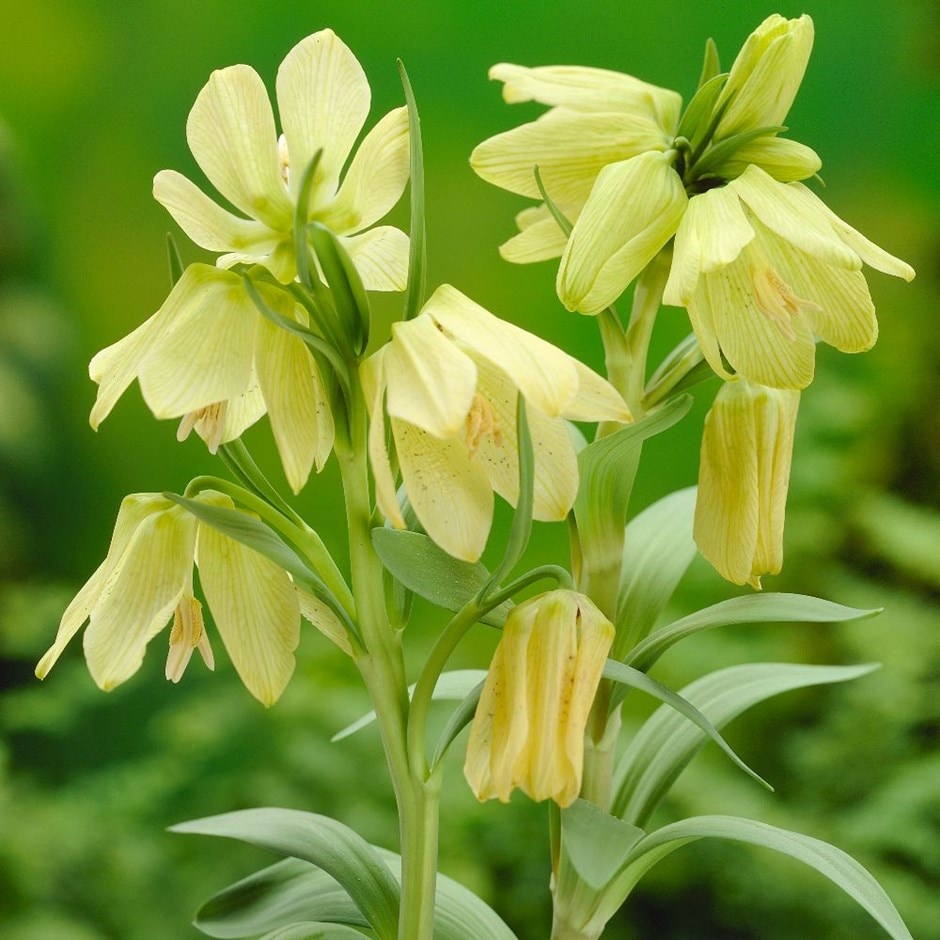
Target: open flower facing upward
x=450 y=380
x=209 y=357
x=528 y=731
x=147 y=579
x=743 y=479
x=763 y=267
x=323 y=98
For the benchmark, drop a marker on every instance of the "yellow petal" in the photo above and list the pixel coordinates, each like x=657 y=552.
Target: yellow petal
x=381 y=257
x=375 y=179
x=540 y=241
x=323 y=618
x=255 y=609
x=232 y=136
x=597 y=399
x=323 y=98
x=634 y=209
x=372 y=372
x=449 y=493
x=780 y=158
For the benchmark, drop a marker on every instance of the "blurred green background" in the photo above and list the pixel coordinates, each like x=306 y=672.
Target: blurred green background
x=93 y=101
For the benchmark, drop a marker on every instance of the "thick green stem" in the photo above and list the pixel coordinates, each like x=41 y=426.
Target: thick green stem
x=383 y=670
x=647 y=298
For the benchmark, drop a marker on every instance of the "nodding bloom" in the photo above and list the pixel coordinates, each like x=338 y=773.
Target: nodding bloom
x=743 y=478
x=146 y=581
x=323 y=98
x=528 y=731
x=449 y=380
x=209 y=357
x=764 y=268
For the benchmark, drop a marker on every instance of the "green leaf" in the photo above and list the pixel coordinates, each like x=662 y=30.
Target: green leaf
x=711 y=65
x=309 y=930
x=640 y=681
x=323 y=842
x=750 y=608
x=349 y=295
x=698 y=111
x=666 y=743
x=608 y=467
x=596 y=843
x=461 y=716
x=563 y=223
x=451 y=686
x=301 y=214
x=430 y=572
x=725 y=149
x=829 y=861
x=418 y=249
x=173 y=259
x=658 y=549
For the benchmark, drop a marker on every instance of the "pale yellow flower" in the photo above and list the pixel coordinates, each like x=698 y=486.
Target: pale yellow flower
x=528 y=731
x=450 y=379
x=323 y=98
x=208 y=356
x=743 y=478
x=147 y=579
x=763 y=268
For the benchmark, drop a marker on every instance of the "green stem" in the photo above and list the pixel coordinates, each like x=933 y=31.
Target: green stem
x=647 y=298
x=383 y=671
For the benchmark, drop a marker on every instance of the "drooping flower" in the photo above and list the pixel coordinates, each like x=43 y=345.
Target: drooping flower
x=613 y=157
x=450 y=379
x=763 y=267
x=323 y=98
x=147 y=579
x=209 y=357
x=743 y=478
x=528 y=731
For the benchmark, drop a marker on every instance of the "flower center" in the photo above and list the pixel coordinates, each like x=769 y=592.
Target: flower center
x=776 y=300
x=209 y=423
x=481 y=422
x=188 y=633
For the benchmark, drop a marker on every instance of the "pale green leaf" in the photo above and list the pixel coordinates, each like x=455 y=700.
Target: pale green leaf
x=596 y=843
x=418 y=249
x=309 y=930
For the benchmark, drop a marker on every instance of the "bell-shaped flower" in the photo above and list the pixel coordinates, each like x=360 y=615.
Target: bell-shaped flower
x=209 y=357
x=323 y=98
x=765 y=76
x=764 y=268
x=743 y=478
x=450 y=380
x=528 y=731
x=147 y=579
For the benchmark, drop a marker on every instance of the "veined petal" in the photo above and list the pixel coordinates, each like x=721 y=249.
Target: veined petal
x=712 y=233
x=323 y=98
x=256 y=611
x=232 y=136
x=294 y=395
x=381 y=257
x=868 y=251
x=236 y=416
x=569 y=147
x=783 y=159
x=322 y=617
x=702 y=318
x=792 y=217
x=634 y=209
x=430 y=381
x=278 y=257
x=449 y=493
x=206 y=222
x=544 y=374
x=375 y=179
x=206 y=355
x=139 y=595
x=597 y=399
x=588 y=89
x=372 y=371
x=540 y=237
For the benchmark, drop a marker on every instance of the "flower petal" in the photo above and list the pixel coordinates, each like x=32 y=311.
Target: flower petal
x=569 y=147
x=544 y=374
x=539 y=239
x=256 y=611
x=634 y=209
x=430 y=381
x=323 y=98
x=294 y=396
x=449 y=493
x=381 y=257
x=597 y=399
x=322 y=617
x=232 y=136
x=372 y=372
x=206 y=355
x=782 y=159
x=375 y=179
x=204 y=221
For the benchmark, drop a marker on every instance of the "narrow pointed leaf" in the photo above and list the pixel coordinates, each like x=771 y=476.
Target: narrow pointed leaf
x=597 y=844
x=711 y=64
x=725 y=149
x=461 y=716
x=751 y=608
x=174 y=260
x=666 y=743
x=699 y=109
x=323 y=842
x=418 y=251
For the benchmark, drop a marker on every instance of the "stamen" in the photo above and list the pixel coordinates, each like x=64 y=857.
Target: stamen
x=188 y=633
x=776 y=300
x=283 y=159
x=482 y=421
x=209 y=423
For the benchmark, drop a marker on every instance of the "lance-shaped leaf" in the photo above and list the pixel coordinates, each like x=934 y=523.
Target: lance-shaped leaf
x=666 y=742
x=751 y=608
x=835 y=864
x=595 y=843
x=322 y=841
x=418 y=248
x=423 y=567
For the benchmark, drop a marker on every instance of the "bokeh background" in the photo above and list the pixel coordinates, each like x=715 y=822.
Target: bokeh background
x=93 y=101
